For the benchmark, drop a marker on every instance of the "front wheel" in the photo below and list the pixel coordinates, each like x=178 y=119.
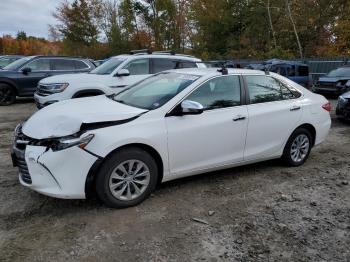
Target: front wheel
x=298 y=147
x=127 y=178
x=7 y=95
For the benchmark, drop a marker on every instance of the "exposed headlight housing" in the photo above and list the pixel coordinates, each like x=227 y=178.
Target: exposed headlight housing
x=67 y=142
x=54 y=88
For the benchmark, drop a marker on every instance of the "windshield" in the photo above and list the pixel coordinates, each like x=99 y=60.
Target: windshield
x=108 y=67
x=156 y=90
x=340 y=72
x=18 y=63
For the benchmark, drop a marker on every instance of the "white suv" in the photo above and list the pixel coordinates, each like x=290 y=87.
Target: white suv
x=111 y=77
x=173 y=124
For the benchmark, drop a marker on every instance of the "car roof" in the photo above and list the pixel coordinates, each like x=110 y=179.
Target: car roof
x=168 y=56
x=216 y=72
x=57 y=56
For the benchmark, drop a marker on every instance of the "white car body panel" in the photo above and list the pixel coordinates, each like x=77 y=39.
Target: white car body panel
x=187 y=145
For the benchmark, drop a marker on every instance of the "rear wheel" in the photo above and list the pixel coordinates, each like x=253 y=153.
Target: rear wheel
x=127 y=178
x=298 y=147
x=7 y=95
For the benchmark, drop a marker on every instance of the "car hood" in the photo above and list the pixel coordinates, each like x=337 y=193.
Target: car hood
x=68 y=117
x=332 y=79
x=76 y=78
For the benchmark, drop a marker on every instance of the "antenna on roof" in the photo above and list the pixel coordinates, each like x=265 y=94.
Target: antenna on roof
x=266 y=69
x=223 y=68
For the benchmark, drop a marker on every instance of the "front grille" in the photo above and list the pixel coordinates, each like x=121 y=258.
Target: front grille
x=43 y=91
x=23 y=170
x=19 y=148
x=328 y=85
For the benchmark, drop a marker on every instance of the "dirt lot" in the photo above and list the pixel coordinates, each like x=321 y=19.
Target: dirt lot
x=262 y=212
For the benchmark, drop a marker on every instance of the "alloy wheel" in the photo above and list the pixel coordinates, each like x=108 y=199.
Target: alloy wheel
x=300 y=148
x=129 y=180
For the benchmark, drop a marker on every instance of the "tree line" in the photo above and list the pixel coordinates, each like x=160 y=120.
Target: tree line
x=208 y=29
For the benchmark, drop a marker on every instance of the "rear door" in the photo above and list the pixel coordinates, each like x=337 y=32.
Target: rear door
x=274 y=112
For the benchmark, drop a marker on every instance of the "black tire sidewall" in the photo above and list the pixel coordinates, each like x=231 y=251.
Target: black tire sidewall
x=287 y=150
x=13 y=96
x=103 y=176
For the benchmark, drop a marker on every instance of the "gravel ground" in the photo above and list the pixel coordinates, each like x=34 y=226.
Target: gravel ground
x=261 y=212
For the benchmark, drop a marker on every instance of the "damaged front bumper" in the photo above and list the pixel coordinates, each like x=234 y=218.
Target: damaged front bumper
x=60 y=174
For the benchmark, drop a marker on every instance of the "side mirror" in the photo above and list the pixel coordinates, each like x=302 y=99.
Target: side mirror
x=189 y=107
x=26 y=70
x=122 y=72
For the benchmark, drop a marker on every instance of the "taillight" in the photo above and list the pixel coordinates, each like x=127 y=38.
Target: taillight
x=327 y=107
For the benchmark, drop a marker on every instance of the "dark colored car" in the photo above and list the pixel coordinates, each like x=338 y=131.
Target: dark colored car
x=5 y=60
x=335 y=82
x=294 y=71
x=21 y=77
x=343 y=106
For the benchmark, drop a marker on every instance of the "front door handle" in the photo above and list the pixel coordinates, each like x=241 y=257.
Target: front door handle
x=239 y=118
x=295 y=108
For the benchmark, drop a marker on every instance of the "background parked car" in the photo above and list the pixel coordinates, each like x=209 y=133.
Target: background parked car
x=343 y=106
x=335 y=82
x=294 y=71
x=8 y=59
x=112 y=76
x=21 y=77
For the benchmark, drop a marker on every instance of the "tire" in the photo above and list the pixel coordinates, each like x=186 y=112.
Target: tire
x=7 y=95
x=118 y=189
x=300 y=136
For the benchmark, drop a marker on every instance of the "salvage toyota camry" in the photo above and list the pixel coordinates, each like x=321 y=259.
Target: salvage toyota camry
x=171 y=125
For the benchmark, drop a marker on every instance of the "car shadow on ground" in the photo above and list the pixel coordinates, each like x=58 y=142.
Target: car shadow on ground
x=61 y=207
x=24 y=100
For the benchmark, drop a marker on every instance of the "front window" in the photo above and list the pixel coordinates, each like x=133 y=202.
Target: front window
x=17 y=64
x=39 y=65
x=340 y=72
x=156 y=90
x=138 y=67
x=220 y=92
x=108 y=67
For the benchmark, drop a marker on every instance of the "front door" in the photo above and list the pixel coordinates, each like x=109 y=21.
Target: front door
x=214 y=138
x=40 y=68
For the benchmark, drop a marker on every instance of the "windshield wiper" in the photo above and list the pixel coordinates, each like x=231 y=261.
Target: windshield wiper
x=120 y=101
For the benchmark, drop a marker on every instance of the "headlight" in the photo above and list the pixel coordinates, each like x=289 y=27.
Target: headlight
x=339 y=84
x=65 y=143
x=54 y=88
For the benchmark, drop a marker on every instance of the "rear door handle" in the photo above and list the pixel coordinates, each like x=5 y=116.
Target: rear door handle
x=239 y=118
x=295 y=108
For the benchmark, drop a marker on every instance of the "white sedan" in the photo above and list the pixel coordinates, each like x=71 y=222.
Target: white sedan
x=171 y=125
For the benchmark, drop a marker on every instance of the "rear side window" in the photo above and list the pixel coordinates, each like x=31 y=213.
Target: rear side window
x=160 y=65
x=220 y=92
x=79 y=65
x=40 y=64
x=63 y=64
x=303 y=70
x=138 y=67
x=263 y=89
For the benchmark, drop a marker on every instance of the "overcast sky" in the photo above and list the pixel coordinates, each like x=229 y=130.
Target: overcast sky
x=31 y=16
